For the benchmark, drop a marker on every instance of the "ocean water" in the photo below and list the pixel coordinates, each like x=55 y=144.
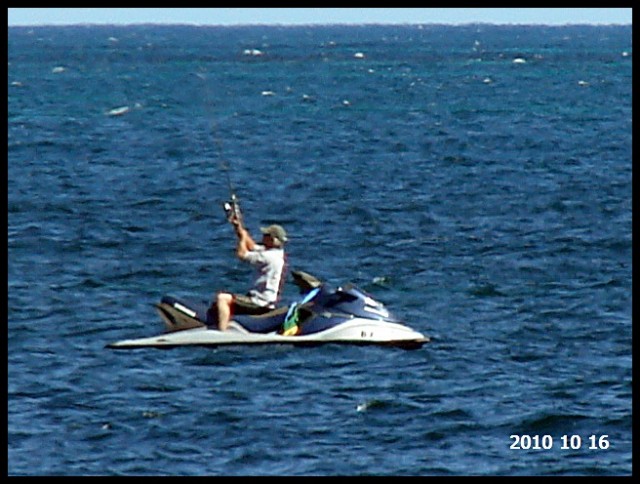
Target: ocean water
x=476 y=179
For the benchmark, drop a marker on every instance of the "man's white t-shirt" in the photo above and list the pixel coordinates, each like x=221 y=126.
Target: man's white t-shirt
x=270 y=264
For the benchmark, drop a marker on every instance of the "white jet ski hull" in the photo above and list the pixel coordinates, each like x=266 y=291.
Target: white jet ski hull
x=354 y=331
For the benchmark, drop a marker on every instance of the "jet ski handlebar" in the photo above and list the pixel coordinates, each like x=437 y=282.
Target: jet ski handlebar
x=305 y=281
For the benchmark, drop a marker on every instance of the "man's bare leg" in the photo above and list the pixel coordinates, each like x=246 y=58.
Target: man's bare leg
x=224 y=301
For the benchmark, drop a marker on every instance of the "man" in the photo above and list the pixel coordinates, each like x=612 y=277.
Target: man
x=269 y=259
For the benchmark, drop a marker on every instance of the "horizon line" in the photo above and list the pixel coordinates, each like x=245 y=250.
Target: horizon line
x=322 y=24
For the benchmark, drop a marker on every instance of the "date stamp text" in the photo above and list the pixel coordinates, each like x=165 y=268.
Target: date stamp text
x=565 y=442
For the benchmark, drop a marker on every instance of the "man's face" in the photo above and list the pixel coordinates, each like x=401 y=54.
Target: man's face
x=268 y=241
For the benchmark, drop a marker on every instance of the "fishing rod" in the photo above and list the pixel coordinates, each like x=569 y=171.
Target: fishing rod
x=231 y=207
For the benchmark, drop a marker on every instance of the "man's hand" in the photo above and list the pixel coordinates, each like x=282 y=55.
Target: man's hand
x=235 y=221
x=237 y=226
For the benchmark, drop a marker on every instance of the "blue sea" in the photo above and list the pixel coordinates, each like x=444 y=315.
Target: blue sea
x=476 y=179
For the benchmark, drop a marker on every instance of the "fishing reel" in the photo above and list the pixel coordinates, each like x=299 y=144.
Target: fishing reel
x=232 y=209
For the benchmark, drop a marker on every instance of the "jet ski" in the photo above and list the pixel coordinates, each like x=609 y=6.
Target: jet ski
x=324 y=314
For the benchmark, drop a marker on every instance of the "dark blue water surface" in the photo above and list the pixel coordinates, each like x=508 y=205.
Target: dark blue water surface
x=476 y=179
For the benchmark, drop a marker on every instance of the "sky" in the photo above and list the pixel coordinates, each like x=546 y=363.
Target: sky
x=300 y=16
